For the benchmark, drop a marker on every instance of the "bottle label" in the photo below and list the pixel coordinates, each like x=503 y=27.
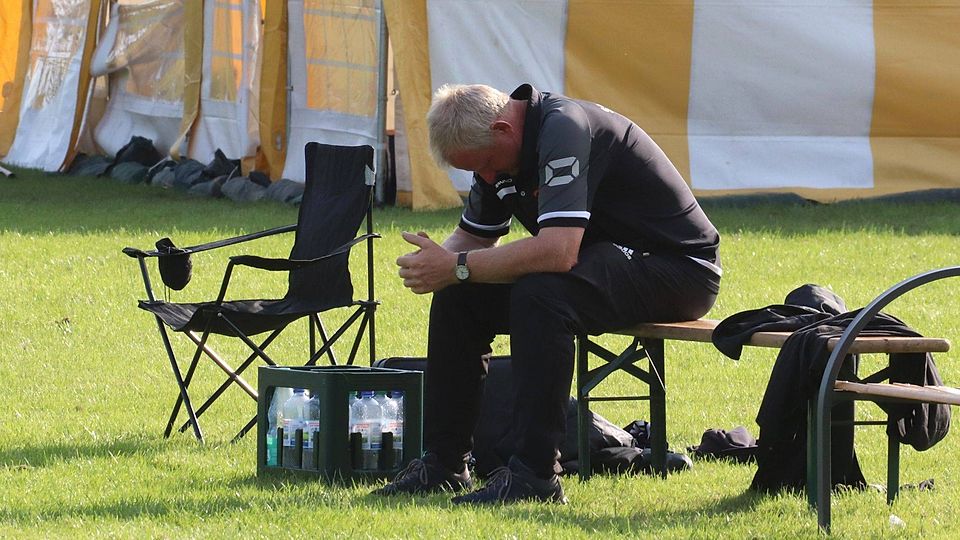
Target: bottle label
x=290 y=428
x=395 y=427
x=375 y=436
x=309 y=428
x=272 y=450
x=363 y=428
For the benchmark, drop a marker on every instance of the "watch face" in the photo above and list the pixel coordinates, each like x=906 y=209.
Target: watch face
x=462 y=272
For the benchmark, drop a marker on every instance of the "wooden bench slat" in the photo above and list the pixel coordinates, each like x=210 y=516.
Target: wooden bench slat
x=910 y=392
x=702 y=330
x=699 y=330
x=878 y=344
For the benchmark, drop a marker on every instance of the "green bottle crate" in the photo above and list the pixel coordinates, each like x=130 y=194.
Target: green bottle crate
x=334 y=384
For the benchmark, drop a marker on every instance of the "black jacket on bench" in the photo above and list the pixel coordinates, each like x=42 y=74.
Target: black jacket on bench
x=815 y=316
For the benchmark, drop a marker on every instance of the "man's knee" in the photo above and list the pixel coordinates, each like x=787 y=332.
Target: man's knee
x=540 y=295
x=453 y=297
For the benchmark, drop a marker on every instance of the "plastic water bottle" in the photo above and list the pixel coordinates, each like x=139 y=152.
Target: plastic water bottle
x=397 y=396
x=311 y=425
x=293 y=419
x=274 y=418
x=365 y=418
x=392 y=407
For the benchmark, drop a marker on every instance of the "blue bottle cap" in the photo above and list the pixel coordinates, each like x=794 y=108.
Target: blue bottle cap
x=366 y=393
x=396 y=394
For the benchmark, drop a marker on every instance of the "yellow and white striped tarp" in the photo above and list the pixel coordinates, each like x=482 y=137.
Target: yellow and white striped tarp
x=55 y=79
x=830 y=99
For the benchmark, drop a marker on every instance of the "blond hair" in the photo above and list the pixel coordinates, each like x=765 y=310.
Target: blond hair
x=460 y=117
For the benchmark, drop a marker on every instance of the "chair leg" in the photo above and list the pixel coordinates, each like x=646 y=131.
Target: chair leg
x=184 y=396
x=359 y=338
x=186 y=381
x=372 y=332
x=583 y=409
x=336 y=335
x=246 y=428
x=226 y=367
x=226 y=384
x=316 y=327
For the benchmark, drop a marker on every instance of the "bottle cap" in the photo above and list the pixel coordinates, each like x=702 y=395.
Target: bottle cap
x=396 y=394
x=366 y=393
x=298 y=390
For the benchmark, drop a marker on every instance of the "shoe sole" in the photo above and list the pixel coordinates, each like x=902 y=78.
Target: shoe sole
x=383 y=492
x=550 y=500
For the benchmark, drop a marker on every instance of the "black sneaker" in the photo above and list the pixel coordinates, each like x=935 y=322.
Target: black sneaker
x=513 y=483
x=426 y=475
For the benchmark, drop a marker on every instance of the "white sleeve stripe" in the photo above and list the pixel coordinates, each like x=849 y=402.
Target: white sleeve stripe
x=506 y=191
x=565 y=214
x=504 y=225
x=716 y=269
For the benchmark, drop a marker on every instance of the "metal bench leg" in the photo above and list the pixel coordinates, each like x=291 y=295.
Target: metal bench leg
x=658 y=405
x=583 y=409
x=893 y=469
x=823 y=419
x=812 y=452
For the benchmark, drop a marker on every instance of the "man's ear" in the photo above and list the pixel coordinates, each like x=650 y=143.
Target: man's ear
x=501 y=126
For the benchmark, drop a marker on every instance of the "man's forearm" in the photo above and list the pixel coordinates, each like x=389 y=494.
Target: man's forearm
x=461 y=240
x=554 y=250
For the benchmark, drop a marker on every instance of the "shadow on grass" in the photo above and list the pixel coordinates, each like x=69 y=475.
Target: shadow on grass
x=649 y=519
x=226 y=498
x=209 y=506
x=33 y=202
x=910 y=214
x=31 y=456
x=37 y=203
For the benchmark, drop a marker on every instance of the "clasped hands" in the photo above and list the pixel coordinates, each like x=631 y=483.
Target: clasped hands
x=429 y=268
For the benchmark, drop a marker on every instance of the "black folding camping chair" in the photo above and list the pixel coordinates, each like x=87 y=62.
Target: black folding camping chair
x=338 y=194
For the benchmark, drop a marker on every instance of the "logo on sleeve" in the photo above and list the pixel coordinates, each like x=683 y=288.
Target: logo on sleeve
x=561 y=171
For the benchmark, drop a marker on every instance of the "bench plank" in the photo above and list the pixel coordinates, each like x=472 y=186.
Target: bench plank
x=909 y=392
x=701 y=330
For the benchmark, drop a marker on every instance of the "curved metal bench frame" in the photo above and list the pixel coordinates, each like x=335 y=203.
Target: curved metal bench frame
x=819 y=451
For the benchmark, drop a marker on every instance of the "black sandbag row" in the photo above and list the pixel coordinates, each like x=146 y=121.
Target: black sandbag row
x=139 y=162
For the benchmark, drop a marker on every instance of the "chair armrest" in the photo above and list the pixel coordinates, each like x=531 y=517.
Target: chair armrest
x=134 y=252
x=277 y=264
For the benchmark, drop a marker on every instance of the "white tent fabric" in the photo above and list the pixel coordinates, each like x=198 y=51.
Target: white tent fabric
x=49 y=99
x=228 y=93
x=830 y=99
x=784 y=112
x=142 y=49
x=502 y=43
x=333 y=65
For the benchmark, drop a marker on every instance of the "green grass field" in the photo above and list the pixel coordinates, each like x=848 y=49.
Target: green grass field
x=87 y=388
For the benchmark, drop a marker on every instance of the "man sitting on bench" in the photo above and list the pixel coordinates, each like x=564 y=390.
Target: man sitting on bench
x=618 y=239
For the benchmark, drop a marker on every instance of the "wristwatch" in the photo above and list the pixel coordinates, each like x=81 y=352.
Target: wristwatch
x=461 y=270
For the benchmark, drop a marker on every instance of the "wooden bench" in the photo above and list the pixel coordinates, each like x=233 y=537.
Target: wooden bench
x=648 y=343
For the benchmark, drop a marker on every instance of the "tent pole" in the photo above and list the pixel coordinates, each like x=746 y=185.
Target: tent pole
x=381 y=158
